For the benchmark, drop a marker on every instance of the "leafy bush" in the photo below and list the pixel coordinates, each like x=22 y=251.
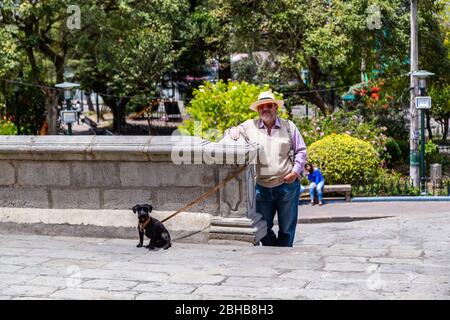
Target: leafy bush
x=218 y=106
x=344 y=159
x=386 y=183
x=7 y=128
x=393 y=152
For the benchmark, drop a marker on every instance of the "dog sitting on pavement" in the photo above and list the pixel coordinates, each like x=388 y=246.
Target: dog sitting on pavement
x=152 y=228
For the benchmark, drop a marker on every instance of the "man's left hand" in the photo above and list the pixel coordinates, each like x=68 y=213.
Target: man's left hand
x=290 y=177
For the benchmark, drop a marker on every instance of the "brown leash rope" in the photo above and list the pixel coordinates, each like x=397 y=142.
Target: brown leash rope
x=207 y=194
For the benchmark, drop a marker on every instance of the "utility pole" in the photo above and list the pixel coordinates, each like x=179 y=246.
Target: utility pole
x=414 y=113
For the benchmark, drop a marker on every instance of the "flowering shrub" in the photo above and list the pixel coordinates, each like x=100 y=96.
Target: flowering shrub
x=344 y=122
x=372 y=95
x=7 y=127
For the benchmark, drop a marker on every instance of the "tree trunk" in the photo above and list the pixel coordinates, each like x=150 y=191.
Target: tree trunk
x=117 y=107
x=224 y=69
x=314 y=97
x=89 y=101
x=445 y=131
x=51 y=108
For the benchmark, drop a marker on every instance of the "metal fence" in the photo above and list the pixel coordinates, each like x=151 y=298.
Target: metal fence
x=399 y=187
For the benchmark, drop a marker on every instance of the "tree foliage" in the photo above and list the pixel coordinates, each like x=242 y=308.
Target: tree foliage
x=216 y=107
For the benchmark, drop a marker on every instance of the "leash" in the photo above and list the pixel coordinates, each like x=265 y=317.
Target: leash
x=207 y=194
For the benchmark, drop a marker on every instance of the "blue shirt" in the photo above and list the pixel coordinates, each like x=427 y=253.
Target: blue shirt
x=316 y=176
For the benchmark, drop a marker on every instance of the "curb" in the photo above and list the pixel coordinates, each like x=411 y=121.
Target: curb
x=401 y=198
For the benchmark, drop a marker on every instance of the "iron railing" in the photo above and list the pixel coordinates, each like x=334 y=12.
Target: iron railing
x=399 y=187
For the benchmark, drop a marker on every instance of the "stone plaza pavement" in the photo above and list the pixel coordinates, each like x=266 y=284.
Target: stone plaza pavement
x=404 y=257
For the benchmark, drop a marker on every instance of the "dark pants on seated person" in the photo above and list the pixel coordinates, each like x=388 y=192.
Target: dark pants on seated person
x=282 y=200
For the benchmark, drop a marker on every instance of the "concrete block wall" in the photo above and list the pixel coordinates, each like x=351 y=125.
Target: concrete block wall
x=114 y=173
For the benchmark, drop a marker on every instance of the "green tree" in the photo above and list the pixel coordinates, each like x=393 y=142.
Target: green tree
x=440 y=107
x=39 y=30
x=127 y=47
x=216 y=107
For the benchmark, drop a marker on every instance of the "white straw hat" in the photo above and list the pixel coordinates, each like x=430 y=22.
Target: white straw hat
x=266 y=97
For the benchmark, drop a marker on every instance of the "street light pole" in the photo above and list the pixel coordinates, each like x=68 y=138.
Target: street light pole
x=67 y=96
x=67 y=87
x=421 y=75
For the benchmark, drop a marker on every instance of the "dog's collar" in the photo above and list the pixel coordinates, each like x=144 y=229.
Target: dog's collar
x=143 y=225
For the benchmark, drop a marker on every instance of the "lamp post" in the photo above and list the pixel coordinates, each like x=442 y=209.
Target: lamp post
x=421 y=75
x=16 y=100
x=304 y=74
x=68 y=116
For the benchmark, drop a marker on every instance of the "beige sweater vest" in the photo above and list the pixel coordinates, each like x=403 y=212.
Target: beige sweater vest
x=273 y=161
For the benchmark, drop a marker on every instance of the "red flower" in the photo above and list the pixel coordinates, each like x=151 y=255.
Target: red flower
x=375 y=96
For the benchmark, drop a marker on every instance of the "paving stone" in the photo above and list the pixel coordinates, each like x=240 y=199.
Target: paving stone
x=248 y=292
x=405 y=253
x=195 y=278
x=7 y=279
x=255 y=271
x=92 y=294
x=6 y=268
x=165 y=288
x=50 y=270
x=345 y=259
x=13 y=251
x=67 y=253
x=389 y=260
x=81 y=263
x=124 y=275
x=24 y=261
x=165 y=296
x=340 y=285
x=260 y=282
x=109 y=284
x=355 y=252
x=349 y=266
x=22 y=290
x=303 y=275
x=55 y=282
x=134 y=266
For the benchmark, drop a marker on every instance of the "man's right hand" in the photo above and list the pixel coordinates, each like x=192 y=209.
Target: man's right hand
x=234 y=133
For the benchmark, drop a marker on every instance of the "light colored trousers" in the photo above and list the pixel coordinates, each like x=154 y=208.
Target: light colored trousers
x=313 y=187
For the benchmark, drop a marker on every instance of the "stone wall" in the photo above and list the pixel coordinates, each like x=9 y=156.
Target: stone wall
x=116 y=172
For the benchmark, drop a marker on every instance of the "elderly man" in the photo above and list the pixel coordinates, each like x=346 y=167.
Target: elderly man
x=278 y=167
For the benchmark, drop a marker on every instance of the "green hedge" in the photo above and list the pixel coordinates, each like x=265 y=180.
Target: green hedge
x=344 y=159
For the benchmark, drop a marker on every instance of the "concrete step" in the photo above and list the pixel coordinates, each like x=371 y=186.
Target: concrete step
x=187 y=226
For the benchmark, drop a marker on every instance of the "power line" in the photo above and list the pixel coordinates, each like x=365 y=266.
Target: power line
x=154 y=97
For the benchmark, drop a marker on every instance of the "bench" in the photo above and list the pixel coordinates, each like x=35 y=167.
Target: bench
x=338 y=188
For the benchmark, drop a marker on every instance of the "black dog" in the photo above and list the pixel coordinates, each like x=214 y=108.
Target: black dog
x=152 y=228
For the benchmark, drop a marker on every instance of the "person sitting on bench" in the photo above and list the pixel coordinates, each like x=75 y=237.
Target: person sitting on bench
x=317 y=183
